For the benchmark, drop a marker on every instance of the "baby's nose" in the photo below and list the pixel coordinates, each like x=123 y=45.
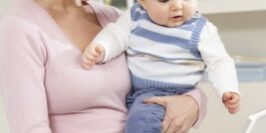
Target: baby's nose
x=176 y=4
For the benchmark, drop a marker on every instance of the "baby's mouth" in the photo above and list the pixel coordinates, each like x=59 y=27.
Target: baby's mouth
x=176 y=18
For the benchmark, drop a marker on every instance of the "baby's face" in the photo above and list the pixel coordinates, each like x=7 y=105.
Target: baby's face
x=170 y=13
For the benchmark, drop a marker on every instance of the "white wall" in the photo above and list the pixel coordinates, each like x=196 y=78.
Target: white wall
x=242 y=33
x=3 y=122
x=4 y=4
x=219 y=121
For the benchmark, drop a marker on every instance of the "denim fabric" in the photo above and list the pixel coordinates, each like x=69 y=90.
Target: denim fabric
x=147 y=118
x=144 y=118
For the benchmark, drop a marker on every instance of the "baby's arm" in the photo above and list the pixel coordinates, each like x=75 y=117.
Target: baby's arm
x=109 y=43
x=220 y=67
x=231 y=101
x=112 y=41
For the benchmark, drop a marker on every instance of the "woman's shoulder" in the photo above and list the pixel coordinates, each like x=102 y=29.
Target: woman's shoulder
x=13 y=24
x=18 y=33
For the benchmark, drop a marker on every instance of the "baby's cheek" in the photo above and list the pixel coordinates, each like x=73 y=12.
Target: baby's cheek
x=159 y=19
x=190 y=10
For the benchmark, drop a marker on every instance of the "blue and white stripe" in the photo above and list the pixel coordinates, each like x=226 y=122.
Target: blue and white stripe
x=160 y=56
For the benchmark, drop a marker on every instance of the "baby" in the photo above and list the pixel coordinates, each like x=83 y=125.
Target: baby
x=168 y=45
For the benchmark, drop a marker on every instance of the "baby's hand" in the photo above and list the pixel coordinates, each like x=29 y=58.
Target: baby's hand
x=231 y=101
x=92 y=54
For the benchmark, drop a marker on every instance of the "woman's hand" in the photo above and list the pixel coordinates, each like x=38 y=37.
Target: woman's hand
x=181 y=112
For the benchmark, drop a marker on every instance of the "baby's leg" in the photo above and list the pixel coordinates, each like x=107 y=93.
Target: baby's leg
x=144 y=118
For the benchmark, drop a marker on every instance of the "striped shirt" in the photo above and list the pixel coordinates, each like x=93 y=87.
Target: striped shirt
x=169 y=58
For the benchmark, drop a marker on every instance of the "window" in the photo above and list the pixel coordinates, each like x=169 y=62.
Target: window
x=121 y=4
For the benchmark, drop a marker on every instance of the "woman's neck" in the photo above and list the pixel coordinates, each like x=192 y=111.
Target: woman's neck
x=60 y=5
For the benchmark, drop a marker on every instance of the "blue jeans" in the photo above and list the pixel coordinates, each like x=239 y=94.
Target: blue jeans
x=144 y=118
x=147 y=118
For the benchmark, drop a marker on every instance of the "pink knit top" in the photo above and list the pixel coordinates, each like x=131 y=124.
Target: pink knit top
x=44 y=86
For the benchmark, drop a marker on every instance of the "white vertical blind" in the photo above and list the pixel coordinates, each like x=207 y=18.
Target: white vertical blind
x=228 y=6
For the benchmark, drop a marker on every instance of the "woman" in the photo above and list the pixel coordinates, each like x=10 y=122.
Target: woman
x=46 y=89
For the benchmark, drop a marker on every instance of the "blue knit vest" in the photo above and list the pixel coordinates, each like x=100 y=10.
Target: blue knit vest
x=162 y=57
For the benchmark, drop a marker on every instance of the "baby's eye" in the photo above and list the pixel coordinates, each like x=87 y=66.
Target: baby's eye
x=163 y=1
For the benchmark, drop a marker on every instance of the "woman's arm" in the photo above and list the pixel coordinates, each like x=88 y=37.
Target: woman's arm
x=22 y=77
x=182 y=111
x=201 y=100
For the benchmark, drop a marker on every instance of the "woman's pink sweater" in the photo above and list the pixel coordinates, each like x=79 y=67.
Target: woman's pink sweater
x=44 y=87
